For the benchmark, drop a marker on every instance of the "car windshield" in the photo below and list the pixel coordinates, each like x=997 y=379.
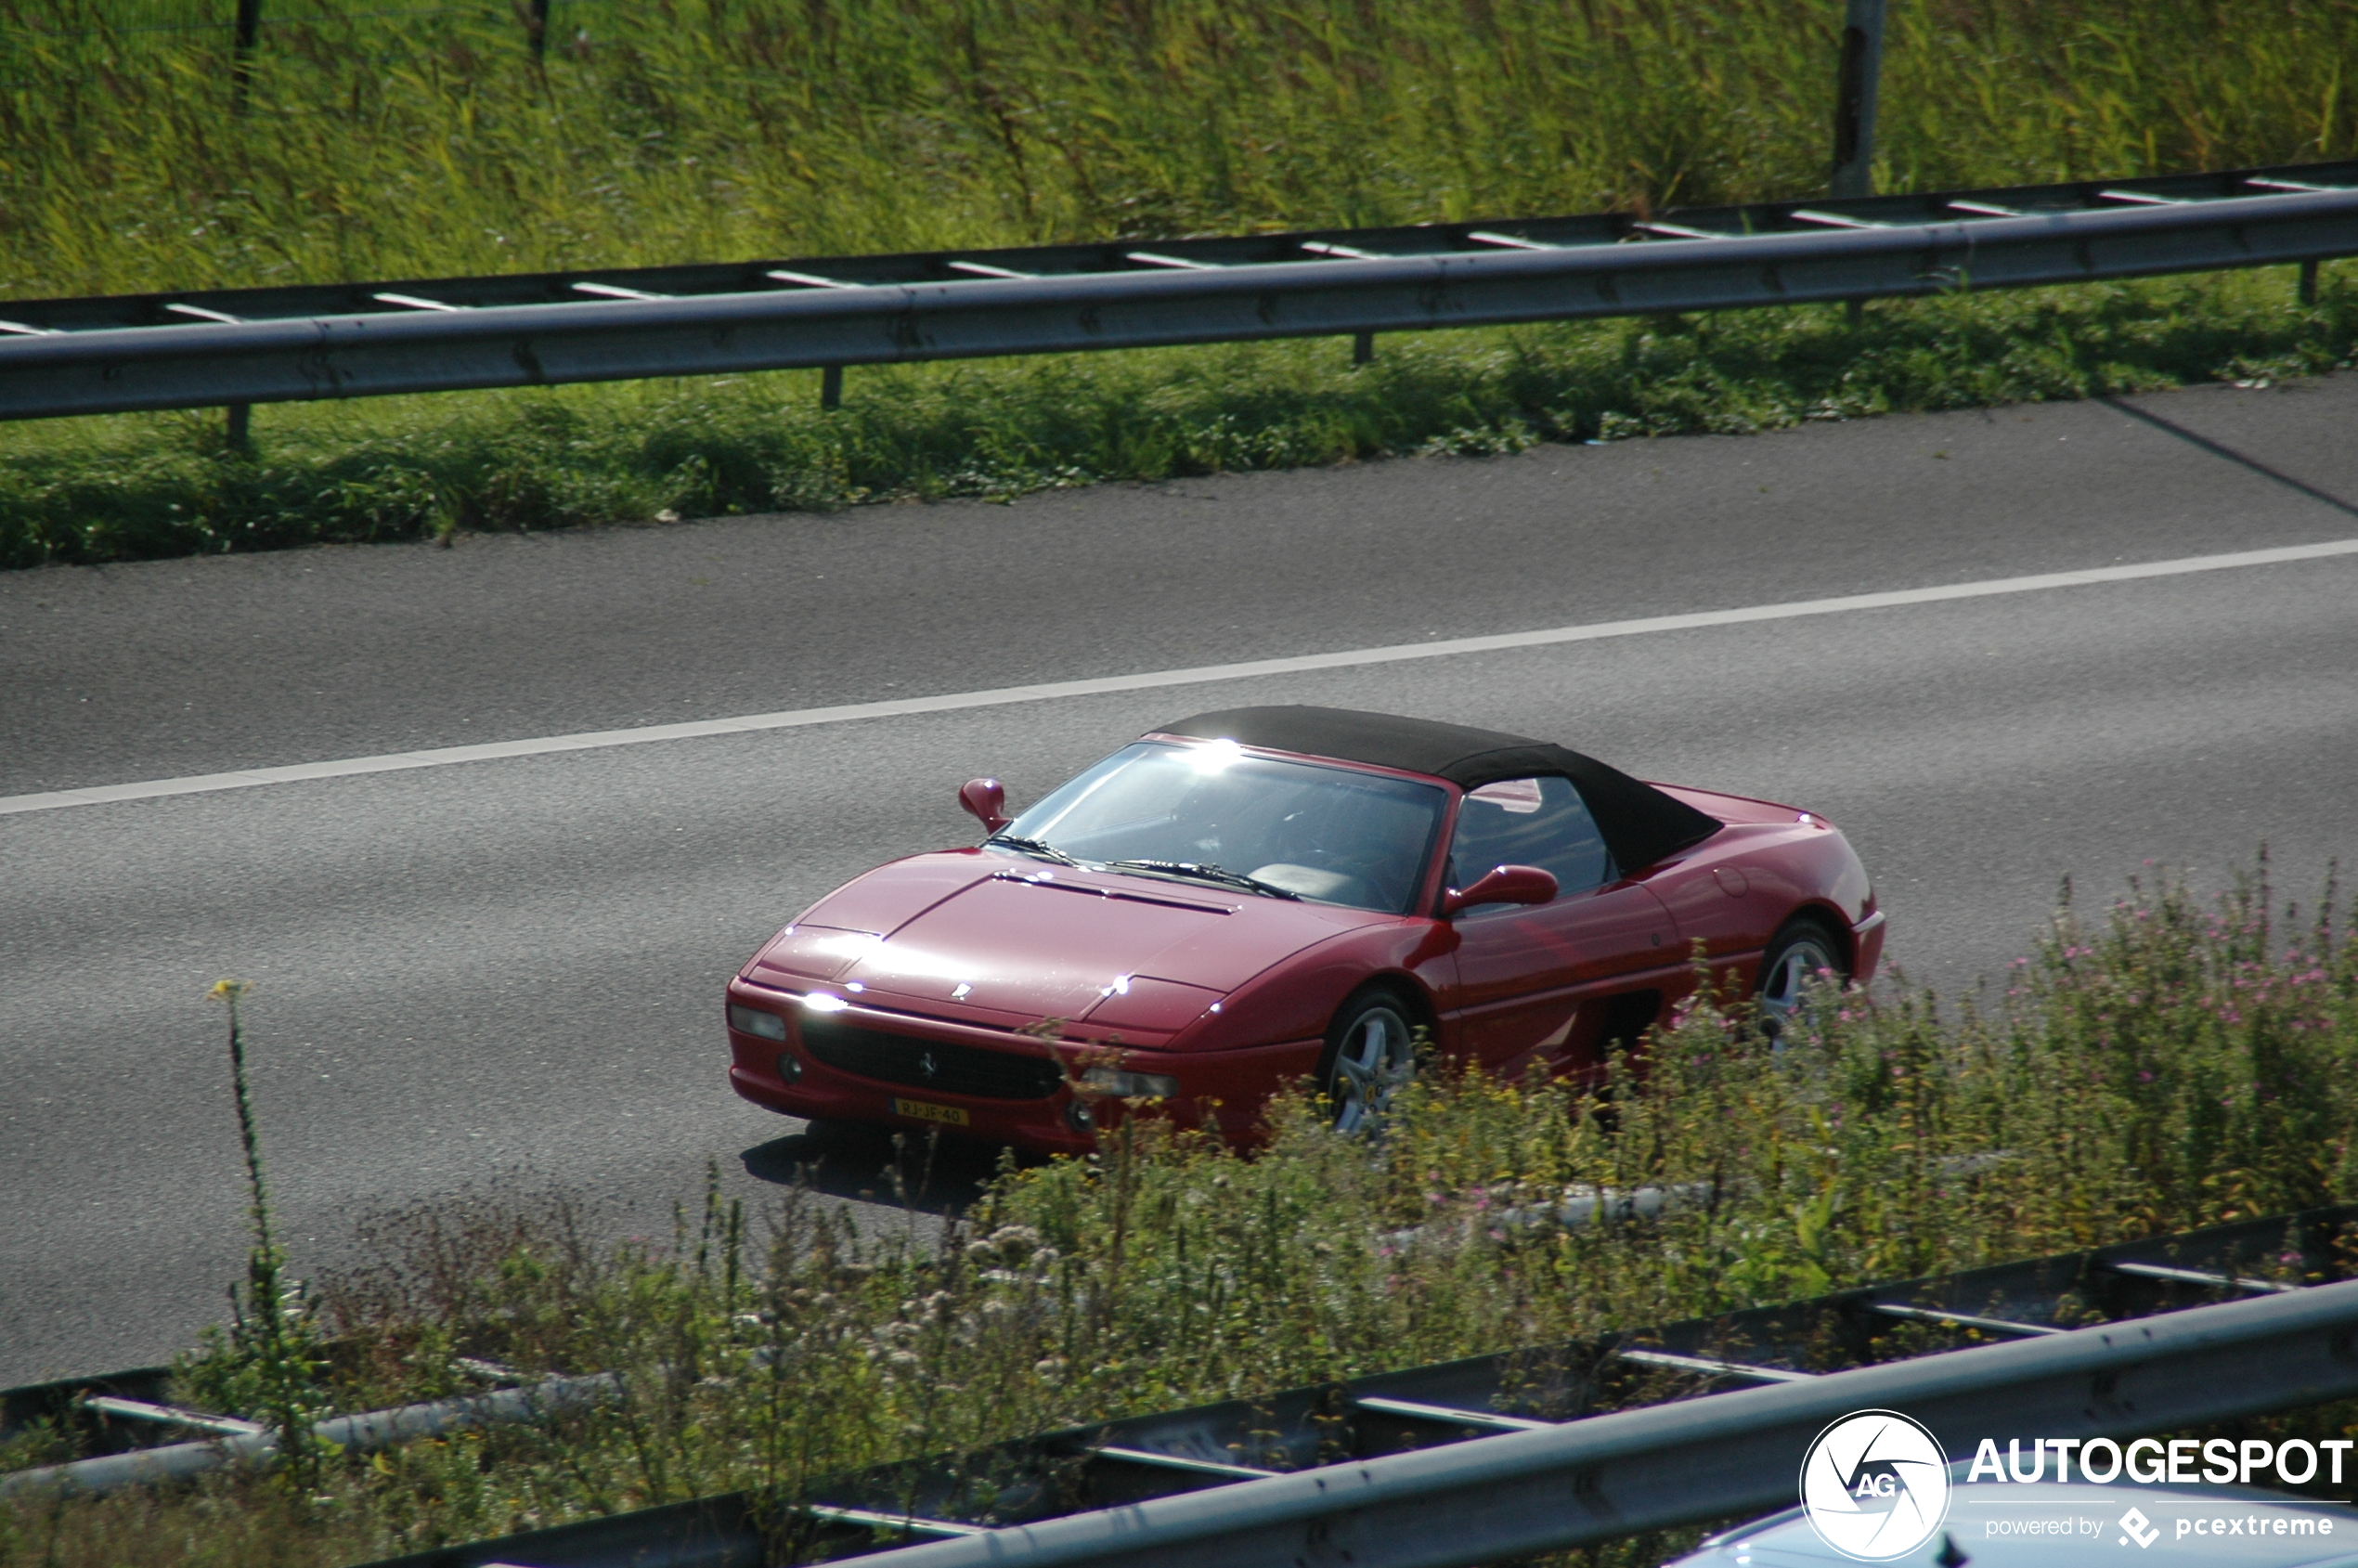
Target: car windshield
x=1334 y=835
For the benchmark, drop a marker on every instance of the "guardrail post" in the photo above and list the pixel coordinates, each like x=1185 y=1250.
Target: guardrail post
x=1363 y=348
x=2309 y=282
x=240 y=434
x=831 y=388
x=241 y=41
x=1855 y=88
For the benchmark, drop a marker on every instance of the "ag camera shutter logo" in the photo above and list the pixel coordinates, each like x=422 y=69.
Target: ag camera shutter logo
x=1875 y=1486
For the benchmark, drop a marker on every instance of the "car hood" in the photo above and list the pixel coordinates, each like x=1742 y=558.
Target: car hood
x=1027 y=940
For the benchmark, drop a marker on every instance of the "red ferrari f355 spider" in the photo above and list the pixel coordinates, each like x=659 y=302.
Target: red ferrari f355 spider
x=1243 y=900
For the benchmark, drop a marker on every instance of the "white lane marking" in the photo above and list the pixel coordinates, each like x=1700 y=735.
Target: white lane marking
x=595 y=740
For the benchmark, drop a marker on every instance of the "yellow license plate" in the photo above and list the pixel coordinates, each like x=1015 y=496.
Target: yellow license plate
x=919 y=1110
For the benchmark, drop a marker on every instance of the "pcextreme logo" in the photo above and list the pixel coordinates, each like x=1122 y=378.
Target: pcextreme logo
x=1875 y=1486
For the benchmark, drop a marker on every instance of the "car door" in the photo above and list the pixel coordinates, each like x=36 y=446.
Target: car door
x=1537 y=982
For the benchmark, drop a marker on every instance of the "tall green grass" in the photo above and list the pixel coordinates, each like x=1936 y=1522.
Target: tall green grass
x=668 y=130
x=2169 y=1064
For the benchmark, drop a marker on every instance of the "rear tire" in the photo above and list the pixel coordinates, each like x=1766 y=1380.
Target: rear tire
x=1804 y=951
x=1371 y=1056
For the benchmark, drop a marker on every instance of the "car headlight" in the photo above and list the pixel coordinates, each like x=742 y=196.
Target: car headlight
x=752 y=1020
x=1129 y=1085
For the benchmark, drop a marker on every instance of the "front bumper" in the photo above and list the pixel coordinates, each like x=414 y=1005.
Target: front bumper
x=1221 y=1090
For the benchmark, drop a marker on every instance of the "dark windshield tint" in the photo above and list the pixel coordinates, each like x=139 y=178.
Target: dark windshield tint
x=1330 y=834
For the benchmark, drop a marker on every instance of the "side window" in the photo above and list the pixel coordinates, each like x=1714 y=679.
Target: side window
x=1529 y=821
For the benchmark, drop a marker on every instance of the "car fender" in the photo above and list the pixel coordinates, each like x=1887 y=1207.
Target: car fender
x=1296 y=998
x=1733 y=890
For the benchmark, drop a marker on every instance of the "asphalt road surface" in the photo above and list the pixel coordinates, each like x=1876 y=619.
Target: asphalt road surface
x=513 y=967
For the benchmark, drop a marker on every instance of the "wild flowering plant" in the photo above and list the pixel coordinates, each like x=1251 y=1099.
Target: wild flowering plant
x=2200 y=1054
x=267 y=1363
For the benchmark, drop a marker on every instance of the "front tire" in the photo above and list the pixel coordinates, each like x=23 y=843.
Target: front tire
x=1804 y=951
x=1371 y=1056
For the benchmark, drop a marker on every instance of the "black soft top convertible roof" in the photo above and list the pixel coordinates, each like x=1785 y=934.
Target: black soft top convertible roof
x=1638 y=823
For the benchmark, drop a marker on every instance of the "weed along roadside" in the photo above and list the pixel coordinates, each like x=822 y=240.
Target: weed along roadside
x=271 y=1340
x=711 y=129
x=2163 y=1066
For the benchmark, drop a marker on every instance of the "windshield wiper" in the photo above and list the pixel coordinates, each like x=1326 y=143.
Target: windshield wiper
x=1039 y=847
x=1206 y=872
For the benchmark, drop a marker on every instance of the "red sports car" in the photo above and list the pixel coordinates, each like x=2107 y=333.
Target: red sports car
x=1244 y=900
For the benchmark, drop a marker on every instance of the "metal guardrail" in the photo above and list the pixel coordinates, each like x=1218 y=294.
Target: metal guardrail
x=1540 y=1449
x=116 y=354
x=100 y=313
x=1615 y=1475
x=239 y=1441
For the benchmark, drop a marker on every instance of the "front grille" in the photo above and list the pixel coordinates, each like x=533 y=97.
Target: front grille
x=929 y=1064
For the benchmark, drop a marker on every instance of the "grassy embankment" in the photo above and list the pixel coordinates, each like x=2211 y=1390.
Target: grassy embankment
x=2165 y=1066
x=670 y=130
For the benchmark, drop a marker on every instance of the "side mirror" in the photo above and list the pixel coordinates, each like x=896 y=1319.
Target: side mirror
x=1503 y=885
x=986 y=801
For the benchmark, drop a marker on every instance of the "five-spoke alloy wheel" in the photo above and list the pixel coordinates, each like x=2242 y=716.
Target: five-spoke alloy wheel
x=1802 y=953
x=1371 y=1056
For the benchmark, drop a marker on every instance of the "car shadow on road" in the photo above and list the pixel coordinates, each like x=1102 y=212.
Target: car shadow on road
x=932 y=1175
